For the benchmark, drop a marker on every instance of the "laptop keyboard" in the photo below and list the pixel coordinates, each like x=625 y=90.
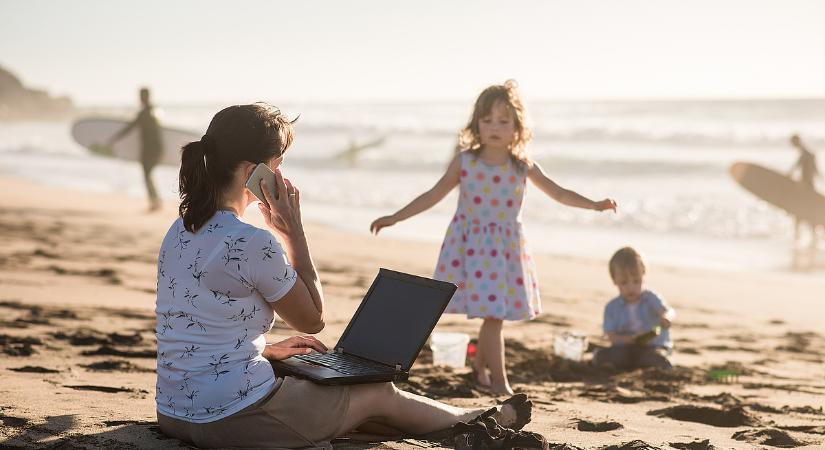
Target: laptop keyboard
x=343 y=363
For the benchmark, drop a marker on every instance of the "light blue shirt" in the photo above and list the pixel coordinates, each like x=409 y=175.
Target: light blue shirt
x=619 y=317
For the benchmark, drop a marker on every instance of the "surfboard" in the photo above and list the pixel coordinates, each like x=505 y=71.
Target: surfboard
x=781 y=191
x=93 y=132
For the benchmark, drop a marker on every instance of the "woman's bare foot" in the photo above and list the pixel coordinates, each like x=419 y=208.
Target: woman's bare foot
x=515 y=412
x=506 y=416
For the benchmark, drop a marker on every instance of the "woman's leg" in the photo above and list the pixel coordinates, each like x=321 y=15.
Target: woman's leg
x=491 y=341
x=480 y=365
x=384 y=404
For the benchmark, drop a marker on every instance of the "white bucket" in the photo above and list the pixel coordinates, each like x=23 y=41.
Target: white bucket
x=449 y=349
x=570 y=346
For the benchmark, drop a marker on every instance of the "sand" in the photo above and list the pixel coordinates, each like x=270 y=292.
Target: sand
x=77 y=279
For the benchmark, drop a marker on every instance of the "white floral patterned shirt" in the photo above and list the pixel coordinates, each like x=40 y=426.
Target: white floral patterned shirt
x=213 y=310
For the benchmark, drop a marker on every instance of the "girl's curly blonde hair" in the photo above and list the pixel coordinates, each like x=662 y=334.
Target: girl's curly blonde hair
x=469 y=138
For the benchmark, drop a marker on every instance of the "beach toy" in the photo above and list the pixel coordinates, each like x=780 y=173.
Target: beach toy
x=570 y=345
x=449 y=349
x=472 y=349
x=645 y=338
x=723 y=375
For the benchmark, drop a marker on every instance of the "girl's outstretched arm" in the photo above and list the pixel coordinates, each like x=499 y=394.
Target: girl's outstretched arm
x=426 y=200
x=565 y=196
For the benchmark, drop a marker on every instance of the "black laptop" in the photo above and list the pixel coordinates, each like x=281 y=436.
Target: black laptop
x=384 y=337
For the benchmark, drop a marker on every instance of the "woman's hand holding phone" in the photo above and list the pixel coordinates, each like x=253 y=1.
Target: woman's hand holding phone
x=282 y=212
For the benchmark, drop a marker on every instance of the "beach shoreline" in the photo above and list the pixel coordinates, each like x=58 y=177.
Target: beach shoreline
x=77 y=279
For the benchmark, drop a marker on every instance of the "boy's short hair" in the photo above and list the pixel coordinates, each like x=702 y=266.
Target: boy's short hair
x=626 y=258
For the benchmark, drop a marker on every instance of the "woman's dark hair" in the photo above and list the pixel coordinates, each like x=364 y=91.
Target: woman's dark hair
x=256 y=133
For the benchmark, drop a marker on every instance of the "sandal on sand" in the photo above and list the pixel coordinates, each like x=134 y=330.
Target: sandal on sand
x=523 y=408
x=487 y=434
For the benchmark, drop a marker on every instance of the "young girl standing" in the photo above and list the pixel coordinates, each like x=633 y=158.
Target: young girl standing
x=484 y=251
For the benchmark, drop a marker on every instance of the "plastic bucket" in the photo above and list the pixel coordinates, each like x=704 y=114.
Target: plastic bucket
x=449 y=349
x=570 y=345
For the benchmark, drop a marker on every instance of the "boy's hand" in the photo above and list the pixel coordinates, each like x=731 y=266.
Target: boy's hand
x=644 y=338
x=605 y=204
x=664 y=322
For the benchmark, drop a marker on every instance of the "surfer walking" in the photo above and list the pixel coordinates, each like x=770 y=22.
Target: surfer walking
x=350 y=154
x=151 y=144
x=808 y=172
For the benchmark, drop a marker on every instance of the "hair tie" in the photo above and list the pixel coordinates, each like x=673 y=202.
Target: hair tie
x=207 y=144
x=207 y=148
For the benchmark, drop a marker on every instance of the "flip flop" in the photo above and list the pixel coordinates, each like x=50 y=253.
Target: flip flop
x=522 y=406
x=487 y=434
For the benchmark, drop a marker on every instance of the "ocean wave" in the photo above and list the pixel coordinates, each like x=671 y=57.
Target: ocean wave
x=751 y=135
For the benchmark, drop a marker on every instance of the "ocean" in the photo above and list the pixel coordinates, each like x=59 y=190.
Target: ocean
x=664 y=162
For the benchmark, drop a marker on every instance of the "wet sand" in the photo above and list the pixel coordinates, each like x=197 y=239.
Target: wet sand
x=77 y=279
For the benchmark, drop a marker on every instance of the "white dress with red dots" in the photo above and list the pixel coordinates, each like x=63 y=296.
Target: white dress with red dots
x=484 y=251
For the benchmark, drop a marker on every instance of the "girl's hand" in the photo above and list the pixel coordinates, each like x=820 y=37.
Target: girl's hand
x=282 y=214
x=381 y=222
x=296 y=345
x=605 y=204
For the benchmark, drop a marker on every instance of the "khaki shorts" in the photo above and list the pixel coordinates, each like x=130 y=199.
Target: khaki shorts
x=298 y=414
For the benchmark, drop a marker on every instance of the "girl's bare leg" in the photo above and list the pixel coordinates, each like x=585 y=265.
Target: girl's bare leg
x=480 y=366
x=491 y=344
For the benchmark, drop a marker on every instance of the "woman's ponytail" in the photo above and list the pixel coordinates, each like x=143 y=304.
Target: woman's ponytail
x=198 y=193
x=242 y=133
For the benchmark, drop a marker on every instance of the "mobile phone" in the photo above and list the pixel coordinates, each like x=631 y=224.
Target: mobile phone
x=262 y=172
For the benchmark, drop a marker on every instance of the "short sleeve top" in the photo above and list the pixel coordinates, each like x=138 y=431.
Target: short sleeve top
x=214 y=294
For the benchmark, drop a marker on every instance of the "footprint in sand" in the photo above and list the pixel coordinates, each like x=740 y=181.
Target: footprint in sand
x=115 y=365
x=13 y=422
x=117 y=423
x=18 y=346
x=809 y=429
x=632 y=445
x=106 y=389
x=586 y=425
x=695 y=445
x=107 y=350
x=768 y=436
x=33 y=369
x=735 y=416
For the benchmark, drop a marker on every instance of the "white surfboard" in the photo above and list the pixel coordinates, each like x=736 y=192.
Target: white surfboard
x=92 y=133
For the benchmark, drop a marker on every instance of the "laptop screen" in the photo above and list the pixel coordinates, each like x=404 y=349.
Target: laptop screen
x=396 y=318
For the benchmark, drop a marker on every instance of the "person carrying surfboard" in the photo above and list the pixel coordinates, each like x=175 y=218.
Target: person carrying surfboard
x=151 y=144
x=808 y=172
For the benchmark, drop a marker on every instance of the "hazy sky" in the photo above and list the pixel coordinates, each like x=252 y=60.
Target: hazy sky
x=101 y=51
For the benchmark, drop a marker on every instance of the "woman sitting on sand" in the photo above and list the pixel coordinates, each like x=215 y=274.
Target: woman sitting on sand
x=220 y=282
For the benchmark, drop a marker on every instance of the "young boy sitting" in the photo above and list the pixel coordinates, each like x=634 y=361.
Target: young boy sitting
x=637 y=321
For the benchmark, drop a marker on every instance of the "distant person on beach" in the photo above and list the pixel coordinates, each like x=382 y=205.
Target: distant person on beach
x=484 y=250
x=220 y=283
x=637 y=322
x=808 y=172
x=353 y=150
x=151 y=144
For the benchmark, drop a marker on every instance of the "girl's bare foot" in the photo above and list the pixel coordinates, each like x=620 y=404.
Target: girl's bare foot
x=482 y=377
x=503 y=389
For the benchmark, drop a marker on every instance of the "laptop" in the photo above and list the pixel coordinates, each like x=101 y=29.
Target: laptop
x=384 y=337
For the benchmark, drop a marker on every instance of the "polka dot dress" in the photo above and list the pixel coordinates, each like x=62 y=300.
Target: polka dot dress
x=484 y=252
